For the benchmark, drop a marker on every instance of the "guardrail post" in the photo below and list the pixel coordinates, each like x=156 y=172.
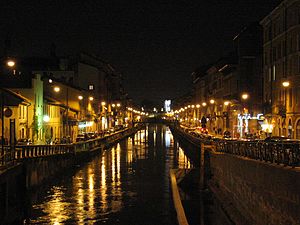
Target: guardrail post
x=202 y=169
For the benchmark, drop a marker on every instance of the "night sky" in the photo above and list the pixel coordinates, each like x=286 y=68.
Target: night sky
x=156 y=45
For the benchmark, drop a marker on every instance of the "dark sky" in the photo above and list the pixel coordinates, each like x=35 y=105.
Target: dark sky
x=156 y=45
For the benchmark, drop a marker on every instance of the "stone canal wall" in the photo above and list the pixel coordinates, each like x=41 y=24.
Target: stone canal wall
x=12 y=195
x=252 y=192
x=264 y=193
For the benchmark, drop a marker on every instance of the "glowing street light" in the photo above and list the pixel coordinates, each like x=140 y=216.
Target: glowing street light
x=245 y=96
x=46 y=118
x=226 y=103
x=80 y=97
x=56 y=89
x=204 y=103
x=91 y=98
x=285 y=83
x=212 y=101
x=10 y=63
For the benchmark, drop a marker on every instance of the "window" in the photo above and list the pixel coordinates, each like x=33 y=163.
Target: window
x=91 y=87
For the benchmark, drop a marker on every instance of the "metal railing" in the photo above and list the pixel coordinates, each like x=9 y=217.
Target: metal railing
x=32 y=151
x=286 y=153
x=7 y=157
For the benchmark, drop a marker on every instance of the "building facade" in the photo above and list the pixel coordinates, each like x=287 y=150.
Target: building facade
x=281 y=69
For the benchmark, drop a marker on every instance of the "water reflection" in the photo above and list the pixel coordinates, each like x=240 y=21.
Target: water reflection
x=127 y=184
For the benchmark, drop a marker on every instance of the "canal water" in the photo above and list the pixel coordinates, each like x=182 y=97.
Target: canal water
x=126 y=184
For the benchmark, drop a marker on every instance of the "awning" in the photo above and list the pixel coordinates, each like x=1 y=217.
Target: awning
x=52 y=101
x=11 y=98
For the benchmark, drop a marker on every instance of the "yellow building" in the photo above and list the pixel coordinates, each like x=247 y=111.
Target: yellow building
x=281 y=67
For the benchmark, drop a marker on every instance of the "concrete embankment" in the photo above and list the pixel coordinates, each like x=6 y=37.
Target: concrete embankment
x=251 y=191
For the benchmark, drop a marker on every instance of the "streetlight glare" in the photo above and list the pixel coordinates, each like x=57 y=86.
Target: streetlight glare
x=10 y=63
x=103 y=103
x=80 y=97
x=212 y=101
x=245 y=96
x=203 y=103
x=56 y=89
x=226 y=103
x=46 y=118
x=91 y=98
x=285 y=83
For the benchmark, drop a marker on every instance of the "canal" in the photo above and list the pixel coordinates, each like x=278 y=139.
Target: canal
x=126 y=184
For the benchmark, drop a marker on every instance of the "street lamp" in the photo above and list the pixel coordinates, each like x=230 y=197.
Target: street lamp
x=245 y=96
x=57 y=89
x=10 y=63
x=285 y=84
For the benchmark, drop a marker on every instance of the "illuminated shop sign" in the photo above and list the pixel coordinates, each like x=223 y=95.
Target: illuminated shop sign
x=85 y=124
x=247 y=116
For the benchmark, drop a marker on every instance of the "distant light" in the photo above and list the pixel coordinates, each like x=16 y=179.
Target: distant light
x=91 y=98
x=113 y=105
x=197 y=106
x=46 y=118
x=80 y=97
x=118 y=105
x=285 y=83
x=56 y=89
x=50 y=81
x=10 y=63
x=226 y=103
x=204 y=104
x=211 y=101
x=245 y=96
x=103 y=103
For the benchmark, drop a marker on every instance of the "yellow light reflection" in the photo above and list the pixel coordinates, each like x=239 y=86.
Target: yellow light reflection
x=183 y=161
x=56 y=208
x=91 y=196
x=113 y=164
x=103 y=188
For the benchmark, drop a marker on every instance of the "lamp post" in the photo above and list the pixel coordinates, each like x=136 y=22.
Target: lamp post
x=57 y=89
x=11 y=65
x=244 y=116
x=283 y=110
x=226 y=112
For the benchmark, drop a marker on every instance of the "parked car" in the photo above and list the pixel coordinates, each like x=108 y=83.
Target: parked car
x=24 y=141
